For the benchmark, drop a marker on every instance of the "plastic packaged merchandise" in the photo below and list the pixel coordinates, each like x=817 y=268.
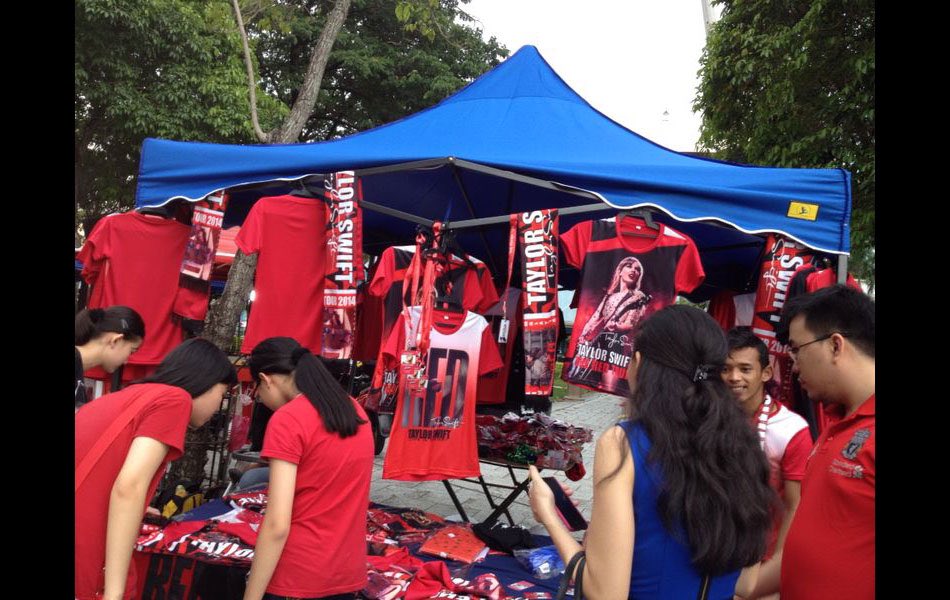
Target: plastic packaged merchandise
x=543 y=562
x=532 y=440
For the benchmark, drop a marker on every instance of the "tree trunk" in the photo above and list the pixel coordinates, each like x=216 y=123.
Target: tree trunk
x=220 y=326
x=221 y=322
x=290 y=129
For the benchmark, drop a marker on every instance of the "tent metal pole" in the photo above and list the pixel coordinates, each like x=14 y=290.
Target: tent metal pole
x=471 y=211
x=408 y=166
x=570 y=210
x=392 y=212
x=842 y=268
x=550 y=185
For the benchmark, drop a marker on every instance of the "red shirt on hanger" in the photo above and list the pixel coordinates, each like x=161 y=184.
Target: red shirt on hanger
x=288 y=233
x=623 y=280
x=434 y=437
x=134 y=260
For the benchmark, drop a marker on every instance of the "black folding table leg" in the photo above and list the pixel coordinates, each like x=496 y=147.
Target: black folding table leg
x=507 y=501
x=491 y=500
x=455 y=500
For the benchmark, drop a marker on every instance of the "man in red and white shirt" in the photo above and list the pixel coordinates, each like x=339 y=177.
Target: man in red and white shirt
x=784 y=435
x=829 y=550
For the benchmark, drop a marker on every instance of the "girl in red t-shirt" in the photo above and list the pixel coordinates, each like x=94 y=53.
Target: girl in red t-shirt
x=312 y=543
x=123 y=442
x=105 y=337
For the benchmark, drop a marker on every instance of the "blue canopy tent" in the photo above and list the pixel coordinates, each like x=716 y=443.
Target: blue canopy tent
x=519 y=138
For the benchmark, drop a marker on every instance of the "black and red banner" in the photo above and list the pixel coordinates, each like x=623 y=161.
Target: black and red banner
x=537 y=235
x=343 y=192
x=206 y=223
x=782 y=258
x=194 y=281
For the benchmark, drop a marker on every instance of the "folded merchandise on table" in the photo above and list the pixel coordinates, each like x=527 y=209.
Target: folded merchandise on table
x=535 y=439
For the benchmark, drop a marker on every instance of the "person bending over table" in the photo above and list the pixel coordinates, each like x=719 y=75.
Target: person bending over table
x=142 y=428
x=312 y=542
x=105 y=337
x=684 y=466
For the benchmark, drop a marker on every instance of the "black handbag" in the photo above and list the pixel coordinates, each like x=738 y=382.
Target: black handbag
x=575 y=564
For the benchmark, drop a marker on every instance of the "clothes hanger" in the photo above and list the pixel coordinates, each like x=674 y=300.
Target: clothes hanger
x=303 y=191
x=644 y=215
x=447 y=304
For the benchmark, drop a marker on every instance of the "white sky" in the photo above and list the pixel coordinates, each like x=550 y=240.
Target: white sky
x=631 y=59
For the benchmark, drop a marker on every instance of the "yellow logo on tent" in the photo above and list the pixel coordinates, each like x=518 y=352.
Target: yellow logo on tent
x=803 y=210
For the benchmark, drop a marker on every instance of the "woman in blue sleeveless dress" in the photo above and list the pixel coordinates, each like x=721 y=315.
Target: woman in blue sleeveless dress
x=681 y=496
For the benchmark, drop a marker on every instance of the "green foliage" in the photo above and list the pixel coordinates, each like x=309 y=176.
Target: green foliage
x=174 y=69
x=159 y=68
x=379 y=70
x=790 y=83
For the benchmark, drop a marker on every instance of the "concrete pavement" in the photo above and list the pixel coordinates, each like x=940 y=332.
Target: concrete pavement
x=596 y=411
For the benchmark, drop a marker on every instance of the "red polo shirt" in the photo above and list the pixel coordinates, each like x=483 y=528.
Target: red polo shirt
x=829 y=551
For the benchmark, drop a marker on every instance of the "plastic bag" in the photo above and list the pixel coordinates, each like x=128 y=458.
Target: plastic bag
x=240 y=425
x=543 y=562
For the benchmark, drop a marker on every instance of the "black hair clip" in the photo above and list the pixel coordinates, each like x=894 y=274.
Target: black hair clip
x=703 y=372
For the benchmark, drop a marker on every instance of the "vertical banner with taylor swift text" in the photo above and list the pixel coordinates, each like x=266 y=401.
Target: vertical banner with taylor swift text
x=206 y=223
x=194 y=281
x=538 y=236
x=343 y=192
x=782 y=257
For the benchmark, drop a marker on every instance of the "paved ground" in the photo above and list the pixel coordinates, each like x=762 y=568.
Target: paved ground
x=596 y=411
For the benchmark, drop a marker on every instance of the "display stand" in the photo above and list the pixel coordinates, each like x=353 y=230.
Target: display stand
x=516 y=489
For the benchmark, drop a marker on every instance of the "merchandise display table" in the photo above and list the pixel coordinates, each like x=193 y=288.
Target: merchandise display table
x=210 y=559
x=516 y=489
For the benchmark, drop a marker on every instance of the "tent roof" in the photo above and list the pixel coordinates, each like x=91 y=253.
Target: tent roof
x=523 y=118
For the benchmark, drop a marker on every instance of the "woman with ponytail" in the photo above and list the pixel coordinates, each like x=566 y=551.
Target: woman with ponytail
x=105 y=337
x=124 y=440
x=681 y=495
x=312 y=543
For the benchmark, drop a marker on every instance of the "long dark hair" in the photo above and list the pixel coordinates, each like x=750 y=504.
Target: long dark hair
x=195 y=365
x=91 y=323
x=286 y=356
x=715 y=475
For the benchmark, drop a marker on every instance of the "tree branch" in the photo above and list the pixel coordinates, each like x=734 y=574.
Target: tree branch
x=290 y=129
x=251 y=85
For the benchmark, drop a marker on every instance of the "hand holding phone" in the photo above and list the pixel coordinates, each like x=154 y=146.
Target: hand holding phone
x=572 y=517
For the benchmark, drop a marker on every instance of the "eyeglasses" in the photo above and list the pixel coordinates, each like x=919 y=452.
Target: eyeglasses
x=794 y=350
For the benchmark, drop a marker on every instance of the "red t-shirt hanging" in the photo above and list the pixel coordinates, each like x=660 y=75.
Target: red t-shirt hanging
x=325 y=553
x=470 y=287
x=434 y=437
x=133 y=260
x=492 y=388
x=623 y=280
x=164 y=418
x=288 y=233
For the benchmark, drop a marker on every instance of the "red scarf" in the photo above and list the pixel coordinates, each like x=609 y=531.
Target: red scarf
x=343 y=193
x=537 y=232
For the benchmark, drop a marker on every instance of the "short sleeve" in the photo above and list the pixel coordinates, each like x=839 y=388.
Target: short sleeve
x=722 y=308
x=487 y=286
x=166 y=419
x=796 y=455
x=284 y=438
x=689 y=269
x=385 y=271
x=489 y=359
x=95 y=251
x=573 y=243
x=393 y=345
x=473 y=298
x=250 y=237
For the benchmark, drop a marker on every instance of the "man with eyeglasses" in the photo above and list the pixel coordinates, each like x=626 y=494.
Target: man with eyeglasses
x=829 y=550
